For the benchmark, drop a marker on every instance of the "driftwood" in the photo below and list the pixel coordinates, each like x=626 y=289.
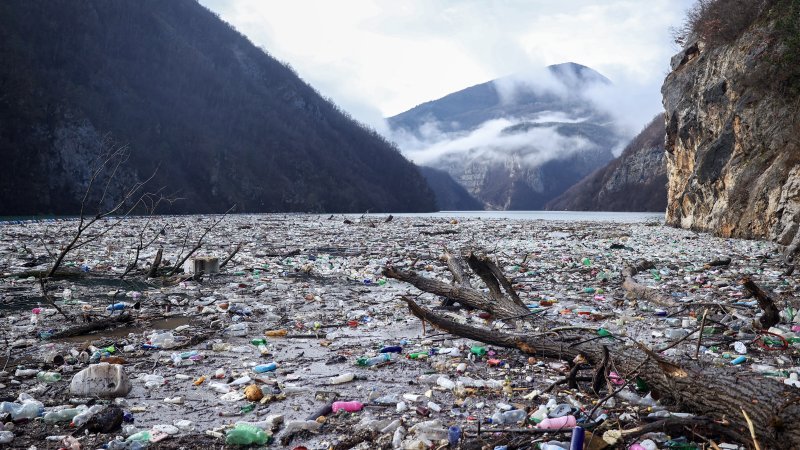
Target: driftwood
x=718 y=394
x=93 y=326
x=156 y=262
x=641 y=291
x=233 y=253
x=771 y=314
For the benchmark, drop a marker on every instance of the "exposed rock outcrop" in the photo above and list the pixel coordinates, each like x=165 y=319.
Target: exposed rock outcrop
x=636 y=181
x=732 y=138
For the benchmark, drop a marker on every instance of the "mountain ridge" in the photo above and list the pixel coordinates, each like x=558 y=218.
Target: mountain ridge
x=224 y=122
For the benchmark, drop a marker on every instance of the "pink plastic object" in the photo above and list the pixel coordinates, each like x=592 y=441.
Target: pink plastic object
x=795 y=328
x=636 y=447
x=36 y=310
x=349 y=406
x=615 y=378
x=557 y=423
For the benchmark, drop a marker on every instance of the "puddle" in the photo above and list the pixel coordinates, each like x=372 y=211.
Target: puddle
x=120 y=332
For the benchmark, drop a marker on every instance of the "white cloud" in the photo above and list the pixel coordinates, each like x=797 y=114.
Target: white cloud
x=381 y=57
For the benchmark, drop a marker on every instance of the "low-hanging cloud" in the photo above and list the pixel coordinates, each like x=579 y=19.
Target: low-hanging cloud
x=494 y=140
x=619 y=106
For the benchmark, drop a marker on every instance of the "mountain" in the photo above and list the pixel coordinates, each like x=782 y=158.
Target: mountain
x=515 y=142
x=219 y=120
x=450 y=196
x=636 y=181
x=731 y=101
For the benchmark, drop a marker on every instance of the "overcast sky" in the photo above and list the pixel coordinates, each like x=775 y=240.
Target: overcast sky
x=378 y=58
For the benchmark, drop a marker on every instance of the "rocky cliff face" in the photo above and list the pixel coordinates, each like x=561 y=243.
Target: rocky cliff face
x=732 y=139
x=636 y=181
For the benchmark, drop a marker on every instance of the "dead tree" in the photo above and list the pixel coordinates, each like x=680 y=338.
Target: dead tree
x=721 y=395
x=199 y=244
x=150 y=202
x=92 y=227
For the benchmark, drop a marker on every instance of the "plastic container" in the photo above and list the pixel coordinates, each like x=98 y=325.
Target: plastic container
x=84 y=416
x=347 y=406
x=64 y=415
x=514 y=416
x=453 y=435
x=557 y=423
x=48 y=377
x=478 y=350
x=27 y=409
x=577 y=439
x=343 y=378
x=276 y=333
x=6 y=437
x=392 y=349
x=261 y=368
x=115 y=307
x=368 y=362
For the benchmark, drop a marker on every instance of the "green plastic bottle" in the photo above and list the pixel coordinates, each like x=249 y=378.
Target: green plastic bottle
x=259 y=341
x=244 y=434
x=142 y=436
x=48 y=377
x=603 y=332
x=478 y=350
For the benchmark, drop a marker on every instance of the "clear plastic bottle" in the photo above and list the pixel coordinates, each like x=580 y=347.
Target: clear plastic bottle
x=514 y=416
x=64 y=415
x=368 y=362
x=84 y=416
x=28 y=409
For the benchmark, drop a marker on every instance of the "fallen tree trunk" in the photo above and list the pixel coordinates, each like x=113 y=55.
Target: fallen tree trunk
x=464 y=295
x=721 y=394
x=717 y=393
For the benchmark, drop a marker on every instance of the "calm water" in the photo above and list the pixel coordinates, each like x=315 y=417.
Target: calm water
x=567 y=216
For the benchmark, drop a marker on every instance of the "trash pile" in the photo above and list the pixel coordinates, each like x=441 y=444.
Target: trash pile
x=301 y=341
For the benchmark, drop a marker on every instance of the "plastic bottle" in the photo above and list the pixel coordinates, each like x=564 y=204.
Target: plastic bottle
x=478 y=350
x=514 y=416
x=243 y=434
x=540 y=414
x=392 y=349
x=453 y=435
x=261 y=368
x=577 y=439
x=275 y=333
x=64 y=415
x=368 y=362
x=115 y=307
x=343 y=378
x=301 y=425
x=28 y=409
x=446 y=383
x=557 y=423
x=347 y=406
x=84 y=416
x=142 y=436
x=258 y=341
x=48 y=377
